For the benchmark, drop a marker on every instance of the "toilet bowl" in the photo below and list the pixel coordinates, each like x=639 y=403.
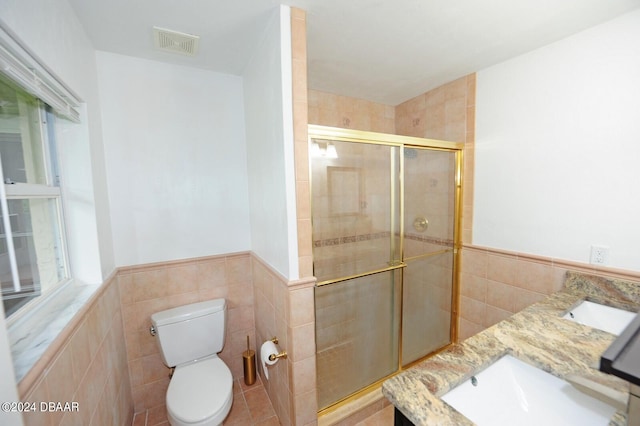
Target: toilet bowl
x=200 y=392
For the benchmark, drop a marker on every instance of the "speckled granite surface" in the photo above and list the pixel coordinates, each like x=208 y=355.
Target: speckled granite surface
x=537 y=335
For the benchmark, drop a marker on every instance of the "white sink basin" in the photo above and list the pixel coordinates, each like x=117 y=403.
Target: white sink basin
x=602 y=317
x=511 y=392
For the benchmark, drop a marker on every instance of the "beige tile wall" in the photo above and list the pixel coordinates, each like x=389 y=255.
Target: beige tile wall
x=285 y=310
x=146 y=289
x=115 y=365
x=328 y=109
x=497 y=283
x=446 y=113
x=288 y=306
x=300 y=135
x=261 y=304
x=86 y=364
x=440 y=113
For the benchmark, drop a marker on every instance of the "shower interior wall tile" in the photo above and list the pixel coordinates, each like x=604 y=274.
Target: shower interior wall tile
x=147 y=289
x=438 y=114
x=88 y=365
x=327 y=109
x=410 y=117
x=446 y=113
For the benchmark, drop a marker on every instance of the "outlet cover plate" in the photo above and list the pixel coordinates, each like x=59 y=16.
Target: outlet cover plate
x=599 y=255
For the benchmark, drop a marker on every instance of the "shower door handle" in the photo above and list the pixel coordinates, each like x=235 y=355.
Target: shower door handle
x=420 y=224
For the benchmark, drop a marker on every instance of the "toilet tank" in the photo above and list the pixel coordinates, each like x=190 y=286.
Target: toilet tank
x=190 y=332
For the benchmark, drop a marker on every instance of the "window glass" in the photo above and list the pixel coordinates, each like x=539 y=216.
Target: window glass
x=32 y=256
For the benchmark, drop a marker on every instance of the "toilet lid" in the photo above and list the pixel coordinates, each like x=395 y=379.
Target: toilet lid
x=199 y=390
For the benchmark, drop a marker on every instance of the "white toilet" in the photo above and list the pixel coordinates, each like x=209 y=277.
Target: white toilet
x=201 y=389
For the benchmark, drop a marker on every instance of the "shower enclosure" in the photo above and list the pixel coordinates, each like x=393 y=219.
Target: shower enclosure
x=385 y=212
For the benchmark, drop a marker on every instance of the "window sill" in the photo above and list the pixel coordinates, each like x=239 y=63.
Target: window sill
x=33 y=333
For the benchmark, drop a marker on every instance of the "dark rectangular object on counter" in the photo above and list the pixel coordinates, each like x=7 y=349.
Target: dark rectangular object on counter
x=622 y=357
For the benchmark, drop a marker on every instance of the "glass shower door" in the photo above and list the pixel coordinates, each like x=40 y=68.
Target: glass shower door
x=384 y=217
x=356 y=251
x=429 y=231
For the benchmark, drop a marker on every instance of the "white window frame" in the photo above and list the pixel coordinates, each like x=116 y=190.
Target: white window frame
x=48 y=190
x=20 y=66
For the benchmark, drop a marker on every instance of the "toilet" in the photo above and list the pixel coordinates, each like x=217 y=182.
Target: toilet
x=200 y=392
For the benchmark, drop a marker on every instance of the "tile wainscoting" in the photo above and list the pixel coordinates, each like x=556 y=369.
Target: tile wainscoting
x=146 y=289
x=261 y=304
x=285 y=309
x=494 y=284
x=106 y=359
x=85 y=364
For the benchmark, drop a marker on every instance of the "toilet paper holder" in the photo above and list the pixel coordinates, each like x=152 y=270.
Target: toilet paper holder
x=282 y=354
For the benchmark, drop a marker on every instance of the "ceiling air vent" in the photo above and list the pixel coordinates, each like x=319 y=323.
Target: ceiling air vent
x=175 y=42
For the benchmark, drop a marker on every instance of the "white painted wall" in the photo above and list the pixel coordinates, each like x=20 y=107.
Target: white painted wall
x=176 y=160
x=558 y=148
x=269 y=127
x=52 y=33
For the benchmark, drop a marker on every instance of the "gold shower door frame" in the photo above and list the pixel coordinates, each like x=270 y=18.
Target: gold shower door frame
x=326 y=134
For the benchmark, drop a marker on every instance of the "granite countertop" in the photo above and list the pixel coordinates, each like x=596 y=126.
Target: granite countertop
x=537 y=335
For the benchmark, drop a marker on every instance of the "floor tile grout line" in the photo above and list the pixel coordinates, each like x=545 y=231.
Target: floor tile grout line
x=255 y=387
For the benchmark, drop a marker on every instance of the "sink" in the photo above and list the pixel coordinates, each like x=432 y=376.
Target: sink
x=602 y=317
x=511 y=392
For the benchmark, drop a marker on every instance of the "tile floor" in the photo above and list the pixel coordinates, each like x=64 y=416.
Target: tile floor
x=252 y=407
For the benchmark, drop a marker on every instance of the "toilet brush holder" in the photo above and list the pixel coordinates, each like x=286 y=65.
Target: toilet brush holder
x=249 y=365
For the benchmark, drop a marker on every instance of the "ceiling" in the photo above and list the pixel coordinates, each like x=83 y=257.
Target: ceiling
x=380 y=50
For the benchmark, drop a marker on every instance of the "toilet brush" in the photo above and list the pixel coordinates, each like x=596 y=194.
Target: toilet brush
x=249 y=364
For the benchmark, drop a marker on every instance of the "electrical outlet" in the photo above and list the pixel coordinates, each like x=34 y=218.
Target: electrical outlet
x=599 y=255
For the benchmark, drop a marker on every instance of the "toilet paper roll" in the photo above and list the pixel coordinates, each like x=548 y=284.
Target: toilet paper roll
x=267 y=349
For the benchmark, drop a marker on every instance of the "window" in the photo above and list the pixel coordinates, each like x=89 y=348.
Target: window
x=32 y=254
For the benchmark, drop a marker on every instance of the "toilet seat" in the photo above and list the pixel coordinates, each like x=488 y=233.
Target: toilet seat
x=200 y=393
